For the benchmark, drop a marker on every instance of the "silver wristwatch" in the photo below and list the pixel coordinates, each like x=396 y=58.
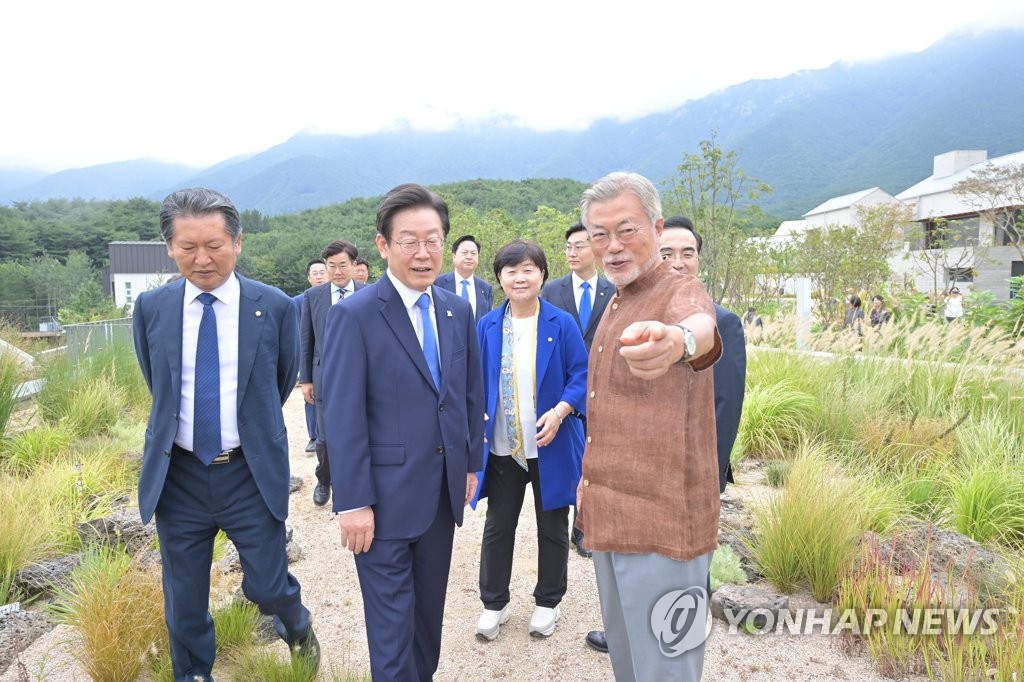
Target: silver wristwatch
x=689 y=342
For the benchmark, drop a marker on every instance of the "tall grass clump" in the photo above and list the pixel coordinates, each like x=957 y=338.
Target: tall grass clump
x=987 y=499
x=235 y=625
x=269 y=665
x=27 y=531
x=24 y=452
x=775 y=417
x=809 y=532
x=117 y=609
x=10 y=379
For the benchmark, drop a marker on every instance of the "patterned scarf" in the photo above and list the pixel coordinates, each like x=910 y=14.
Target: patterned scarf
x=509 y=386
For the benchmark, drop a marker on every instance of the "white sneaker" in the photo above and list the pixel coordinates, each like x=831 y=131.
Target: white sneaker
x=490 y=623
x=542 y=624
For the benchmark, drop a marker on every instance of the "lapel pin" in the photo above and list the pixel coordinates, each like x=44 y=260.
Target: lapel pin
x=259 y=313
x=550 y=339
x=448 y=313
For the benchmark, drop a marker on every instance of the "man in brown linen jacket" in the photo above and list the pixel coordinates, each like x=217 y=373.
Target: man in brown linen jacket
x=648 y=498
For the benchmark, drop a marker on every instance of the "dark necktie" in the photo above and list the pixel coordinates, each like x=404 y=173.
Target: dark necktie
x=465 y=289
x=429 y=340
x=585 y=306
x=206 y=406
x=340 y=295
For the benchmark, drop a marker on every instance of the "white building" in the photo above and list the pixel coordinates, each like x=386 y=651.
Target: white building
x=843 y=211
x=136 y=267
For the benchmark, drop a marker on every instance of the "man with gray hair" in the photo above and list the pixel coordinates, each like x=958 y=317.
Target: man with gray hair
x=220 y=354
x=648 y=498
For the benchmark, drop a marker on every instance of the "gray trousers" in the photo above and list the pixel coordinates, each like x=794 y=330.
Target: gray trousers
x=655 y=610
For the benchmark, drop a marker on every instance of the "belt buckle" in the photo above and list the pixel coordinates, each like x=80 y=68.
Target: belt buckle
x=223 y=458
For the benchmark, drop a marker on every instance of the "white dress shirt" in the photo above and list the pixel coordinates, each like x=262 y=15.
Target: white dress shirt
x=459 y=279
x=226 y=309
x=409 y=299
x=577 y=290
x=349 y=289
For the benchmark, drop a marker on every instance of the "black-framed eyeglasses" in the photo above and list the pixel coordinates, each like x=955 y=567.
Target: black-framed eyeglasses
x=410 y=246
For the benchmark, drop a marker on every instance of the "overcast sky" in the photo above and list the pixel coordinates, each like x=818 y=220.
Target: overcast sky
x=197 y=82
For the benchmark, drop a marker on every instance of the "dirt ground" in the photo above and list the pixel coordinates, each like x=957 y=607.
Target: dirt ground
x=331 y=590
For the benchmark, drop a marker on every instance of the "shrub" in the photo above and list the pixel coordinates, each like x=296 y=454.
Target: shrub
x=726 y=568
x=235 y=625
x=117 y=609
x=775 y=417
x=987 y=500
x=28 y=450
x=776 y=472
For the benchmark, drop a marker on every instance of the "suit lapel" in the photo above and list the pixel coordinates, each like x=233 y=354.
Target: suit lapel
x=397 y=319
x=172 y=322
x=251 y=323
x=569 y=300
x=605 y=290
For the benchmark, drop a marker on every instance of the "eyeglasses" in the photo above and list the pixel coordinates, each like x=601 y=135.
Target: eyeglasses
x=625 y=235
x=410 y=246
x=576 y=248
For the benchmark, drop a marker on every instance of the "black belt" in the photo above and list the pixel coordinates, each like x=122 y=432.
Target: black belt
x=223 y=458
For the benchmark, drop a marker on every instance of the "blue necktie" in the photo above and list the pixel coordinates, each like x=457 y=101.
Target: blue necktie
x=465 y=289
x=429 y=340
x=206 y=407
x=585 y=306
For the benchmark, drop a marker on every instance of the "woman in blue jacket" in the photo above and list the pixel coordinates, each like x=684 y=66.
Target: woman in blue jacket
x=535 y=380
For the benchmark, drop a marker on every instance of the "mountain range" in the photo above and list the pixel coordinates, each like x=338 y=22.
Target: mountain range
x=811 y=136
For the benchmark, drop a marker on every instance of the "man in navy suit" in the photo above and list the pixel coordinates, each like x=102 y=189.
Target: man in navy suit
x=680 y=244
x=465 y=257
x=316 y=273
x=340 y=257
x=219 y=353
x=583 y=294
x=410 y=446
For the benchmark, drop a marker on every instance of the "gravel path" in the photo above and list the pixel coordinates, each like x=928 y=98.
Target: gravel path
x=331 y=590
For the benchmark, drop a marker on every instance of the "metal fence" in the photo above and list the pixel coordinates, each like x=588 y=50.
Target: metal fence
x=93 y=337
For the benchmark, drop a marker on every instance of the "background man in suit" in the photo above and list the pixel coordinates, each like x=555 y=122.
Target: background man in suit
x=680 y=245
x=219 y=353
x=583 y=294
x=413 y=443
x=316 y=273
x=339 y=256
x=465 y=257
x=361 y=270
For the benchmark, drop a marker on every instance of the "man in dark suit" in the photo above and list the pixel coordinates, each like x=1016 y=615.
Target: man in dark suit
x=583 y=294
x=219 y=353
x=680 y=244
x=466 y=257
x=569 y=292
x=316 y=273
x=412 y=443
x=340 y=256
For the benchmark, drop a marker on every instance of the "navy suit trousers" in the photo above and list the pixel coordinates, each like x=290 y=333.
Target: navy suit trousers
x=404 y=584
x=197 y=501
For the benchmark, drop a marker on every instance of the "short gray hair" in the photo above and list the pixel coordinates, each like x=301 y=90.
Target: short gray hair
x=194 y=202
x=614 y=184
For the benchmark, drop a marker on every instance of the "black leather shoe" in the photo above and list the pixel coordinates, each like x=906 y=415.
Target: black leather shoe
x=308 y=649
x=311 y=445
x=577 y=539
x=321 y=493
x=596 y=641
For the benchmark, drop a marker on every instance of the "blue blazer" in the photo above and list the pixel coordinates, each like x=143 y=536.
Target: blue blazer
x=561 y=375
x=317 y=301
x=484 y=293
x=730 y=382
x=268 y=351
x=390 y=432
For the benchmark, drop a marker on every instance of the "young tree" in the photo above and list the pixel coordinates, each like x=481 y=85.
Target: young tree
x=944 y=247
x=997 y=193
x=710 y=188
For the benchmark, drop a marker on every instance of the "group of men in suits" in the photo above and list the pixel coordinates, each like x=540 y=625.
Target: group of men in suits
x=216 y=452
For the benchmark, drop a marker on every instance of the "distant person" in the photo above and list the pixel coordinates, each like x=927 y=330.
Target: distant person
x=879 y=315
x=316 y=273
x=404 y=410
x=954 y=305
x=648 y=499
x=464 y=282
x=583 y=293
x=752 y=319
x=535 y=380
x=339 y=256
x=219 y=353
x=361 y=270
x=854 y=314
